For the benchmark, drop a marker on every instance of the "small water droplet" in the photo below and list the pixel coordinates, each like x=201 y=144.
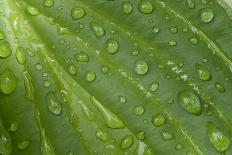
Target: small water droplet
x=179 y=147
x=172 y=43
x=190 y=102
x=33 y=11
x=154 y=86
x=193 y=40
x=72 y=69
x=145 y=7
x=158 y=120
x=97 y=29
x=166 y=136
x=8 y=81
x=141 y=135
x=5 y=50
x=90 y=76
x=13 y=127
x=112 y=45
x=219 y=87
x=135 y=52
x=127 y=7
x=127 y=142
x=20 y=55
x=139 y=110
x=54 y=105
x=82 y=57
x=122 y=99
x=173 y=30
x=77 y=13
x=48 y=3
x=155 y=29
x=38 y=66
x=185 y=29
x=2 y=35
x=46 y=84
x=203 y=73
x=219 y=140
x=102 y=135
x=190 y=4
x=105 y=69
x=207 y=15
x=23 y=145
x=141 y=67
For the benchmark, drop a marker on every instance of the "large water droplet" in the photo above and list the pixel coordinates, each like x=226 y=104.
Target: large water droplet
x=5 y=50
x=97 y=29
x=207 y=15
x=189 y=102
x=126 y=142
x=82 y=57
x=102 y=135
x=127 y=7
x=219 y=140
x=54 y=105
x=111 y=120
x=90 y=76
x=33 y=11
x=8 y=82
x=140 y=67
x=23 y=145
x=166 y=136
x=78 y=13
x=219 y=87
x=112 y=45
x=139 y=110
x=203 y=72
x=20 y=55
x=48 y=3
x=158 y=120
x=145 y=7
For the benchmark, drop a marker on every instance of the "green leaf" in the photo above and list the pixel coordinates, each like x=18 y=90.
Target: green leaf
x=115 y=77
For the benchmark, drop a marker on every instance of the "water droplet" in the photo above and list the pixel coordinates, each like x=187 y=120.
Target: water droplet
x=38 y=66
x=189 y=102
x=2 y=35
x=82 y=57
x=20 y=55
x=140 y=67
x=219 y=87
x=173 y=30
x=72 y=69
x=90 y=76
x=190 y=4
x=127 y=7
x=154 y=86
x=172 y=43
x=13 y=127
x=78 y=13
x=135 y=52
x=193 y=40
x=122 y=99
x=207 y=15
x=203 y=2
x=97 y=29
x=5 y=50
x=219 y=140
x=139 y=110
x=112 y=45
x=141 y=135
x=155 y=29
x=48 y=3
x=202 y=72
x=145 y=7
x=105 y=69
x=166 y=135
x=158 y=120
x=185 y=29
x=127 y=142
x=179 y=146
x=33 y=11
x=111 y=120
x=23 y=145
x=46 y=84
x=54 y=105
x=102 y=135
x=8 y=82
